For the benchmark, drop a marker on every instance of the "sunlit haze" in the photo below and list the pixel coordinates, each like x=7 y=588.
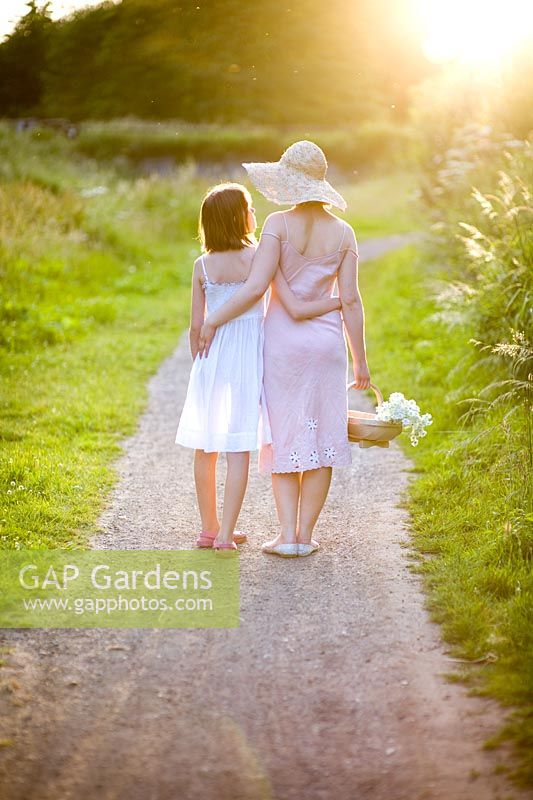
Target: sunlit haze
x=474 y=31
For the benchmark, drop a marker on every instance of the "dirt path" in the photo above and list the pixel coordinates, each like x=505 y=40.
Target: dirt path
x=331 y=689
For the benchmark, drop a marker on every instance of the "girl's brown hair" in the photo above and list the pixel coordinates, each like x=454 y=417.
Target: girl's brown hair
x=223 y=218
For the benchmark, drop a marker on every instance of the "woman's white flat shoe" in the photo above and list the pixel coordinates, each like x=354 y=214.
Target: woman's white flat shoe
x=307 y=549
x=285 y=550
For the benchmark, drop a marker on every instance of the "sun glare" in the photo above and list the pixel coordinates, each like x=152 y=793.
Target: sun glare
x=474 y=31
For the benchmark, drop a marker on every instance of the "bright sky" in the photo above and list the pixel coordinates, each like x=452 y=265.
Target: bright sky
x=12 y=10
x=474 y=31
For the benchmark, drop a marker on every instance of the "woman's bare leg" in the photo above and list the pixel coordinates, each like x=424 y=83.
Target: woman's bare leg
x=205 y=471
x=234 y=491
x=286 y=488
x=315 y=488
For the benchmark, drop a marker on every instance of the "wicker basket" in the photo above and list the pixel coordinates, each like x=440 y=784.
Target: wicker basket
x=367 y=429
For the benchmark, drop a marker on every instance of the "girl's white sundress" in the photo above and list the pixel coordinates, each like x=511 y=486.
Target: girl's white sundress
x=224 y=410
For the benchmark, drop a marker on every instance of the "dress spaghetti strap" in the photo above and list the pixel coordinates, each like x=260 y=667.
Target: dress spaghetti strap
x=204 y=269
x=275 y=235
x=343 y=233
x=349 y=247
x=286 y=226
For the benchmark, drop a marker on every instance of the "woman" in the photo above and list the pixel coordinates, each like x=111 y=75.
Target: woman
x=305 y=362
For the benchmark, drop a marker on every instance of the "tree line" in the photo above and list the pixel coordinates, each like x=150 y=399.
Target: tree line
x=278 y=61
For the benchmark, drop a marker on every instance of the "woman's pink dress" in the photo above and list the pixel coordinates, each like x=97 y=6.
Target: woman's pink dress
x=306 y=372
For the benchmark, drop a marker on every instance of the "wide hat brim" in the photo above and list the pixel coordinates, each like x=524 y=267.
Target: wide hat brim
x=287 y=186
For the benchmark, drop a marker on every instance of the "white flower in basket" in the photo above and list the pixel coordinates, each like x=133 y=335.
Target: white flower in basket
x=388 y=421
x=398 y=409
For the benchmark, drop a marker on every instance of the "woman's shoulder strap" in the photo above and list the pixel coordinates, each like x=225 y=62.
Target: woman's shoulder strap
x=203 y=267
x=271 y=233
x=351 y=246
x=343 y=234
x=286 y=226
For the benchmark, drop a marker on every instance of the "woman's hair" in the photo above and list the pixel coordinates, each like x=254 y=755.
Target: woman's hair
x=313 y=203
x=223 y=218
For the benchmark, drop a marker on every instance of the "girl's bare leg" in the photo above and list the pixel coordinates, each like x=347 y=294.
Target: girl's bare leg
x=315 y=488
x=286 y=488
x=234 y=491
x=205 y=471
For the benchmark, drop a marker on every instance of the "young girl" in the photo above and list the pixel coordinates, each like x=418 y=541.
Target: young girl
x=224 y=409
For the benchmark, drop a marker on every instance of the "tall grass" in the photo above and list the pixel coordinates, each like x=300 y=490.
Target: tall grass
x=472 y=366
x=489 y=291
x=469 y=535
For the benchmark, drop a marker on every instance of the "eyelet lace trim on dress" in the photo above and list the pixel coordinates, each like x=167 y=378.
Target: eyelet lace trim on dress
x=222 y=283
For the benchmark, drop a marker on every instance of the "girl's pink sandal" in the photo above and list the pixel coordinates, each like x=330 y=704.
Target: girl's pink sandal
x=206 y=539
x=225 y=549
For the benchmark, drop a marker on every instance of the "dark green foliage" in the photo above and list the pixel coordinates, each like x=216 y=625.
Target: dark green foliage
x=312 y=62
x=22 y=62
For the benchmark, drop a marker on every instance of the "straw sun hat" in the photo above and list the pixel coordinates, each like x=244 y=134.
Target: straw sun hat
x=299 y=176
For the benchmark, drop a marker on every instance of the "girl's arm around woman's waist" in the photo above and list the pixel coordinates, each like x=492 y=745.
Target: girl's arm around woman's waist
x=302 y=309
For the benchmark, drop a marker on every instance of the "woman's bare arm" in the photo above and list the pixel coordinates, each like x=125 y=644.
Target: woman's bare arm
x=354 y=317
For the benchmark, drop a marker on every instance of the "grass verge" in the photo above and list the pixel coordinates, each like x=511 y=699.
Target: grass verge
x=476 y=569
